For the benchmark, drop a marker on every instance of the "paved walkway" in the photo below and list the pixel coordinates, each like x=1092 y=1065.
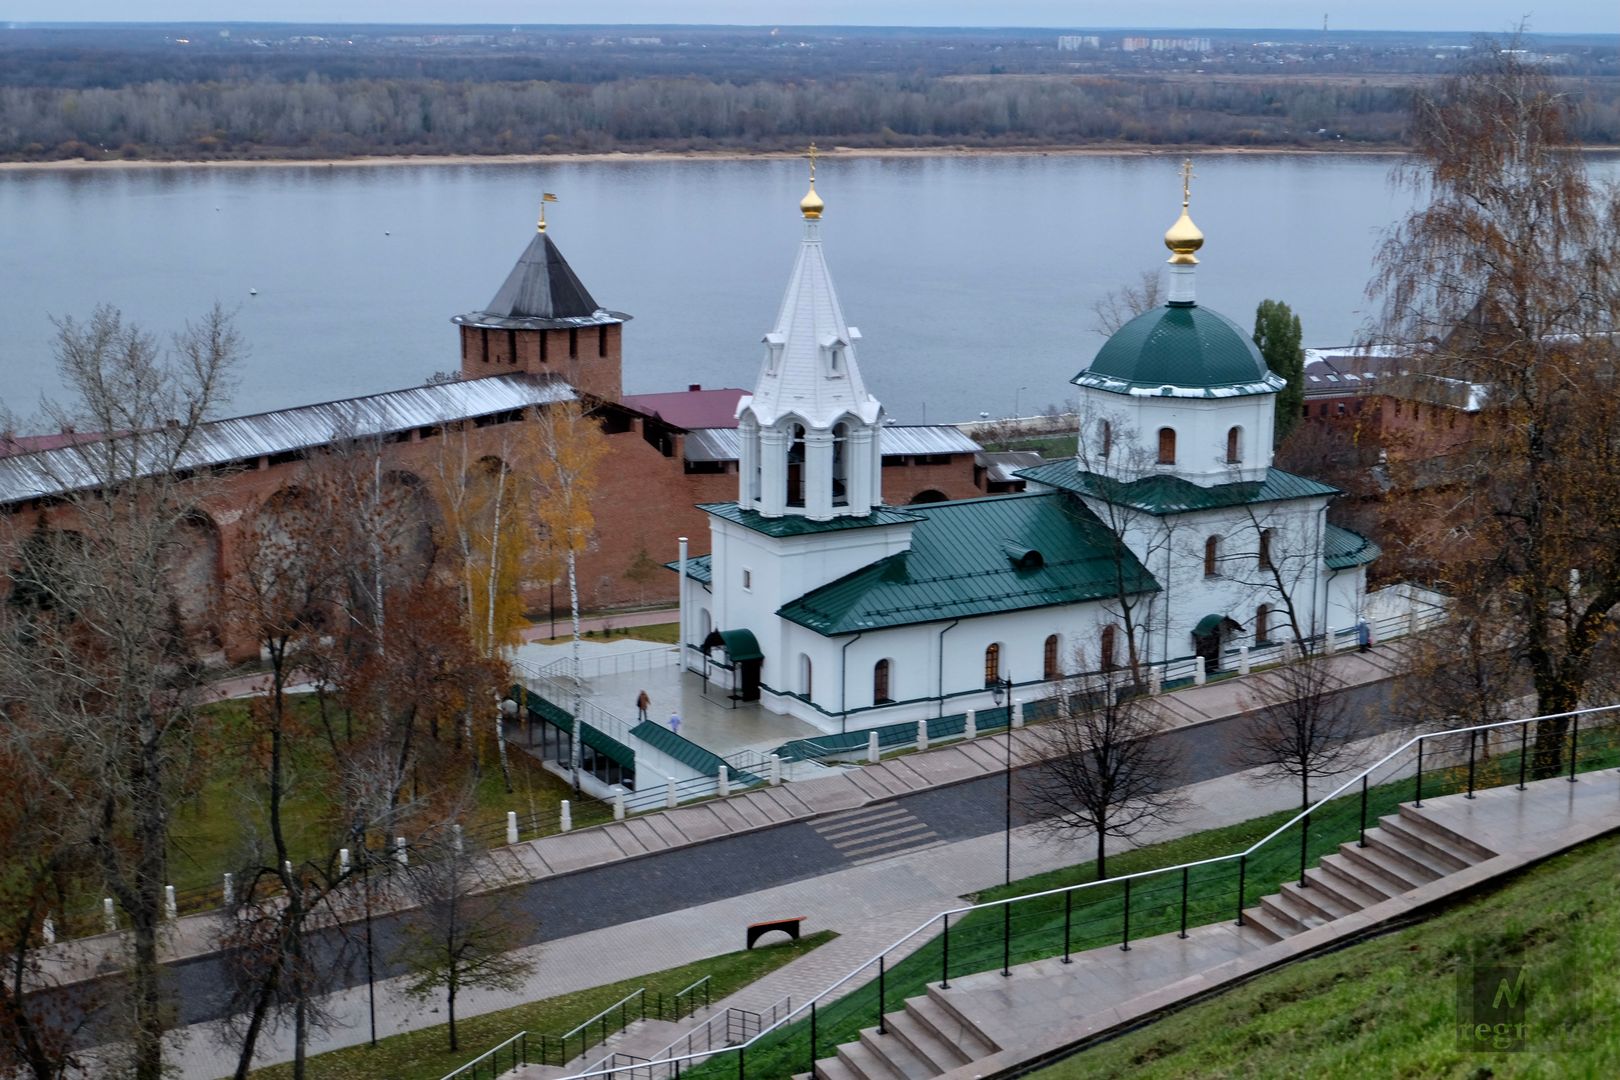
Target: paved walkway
x=865 y=903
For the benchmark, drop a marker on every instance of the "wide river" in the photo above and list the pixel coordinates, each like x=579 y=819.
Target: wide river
x=972 y=279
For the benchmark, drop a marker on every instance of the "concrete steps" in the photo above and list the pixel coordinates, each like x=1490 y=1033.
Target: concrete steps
x=934 y=1034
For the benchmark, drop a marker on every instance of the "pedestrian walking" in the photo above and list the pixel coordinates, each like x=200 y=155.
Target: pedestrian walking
x=1364 y=636
x=642 y=702
x=675 y=722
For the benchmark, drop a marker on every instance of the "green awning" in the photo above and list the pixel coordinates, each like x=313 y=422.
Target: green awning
x=607 y=746
x=741 y=645
x=1214 y=624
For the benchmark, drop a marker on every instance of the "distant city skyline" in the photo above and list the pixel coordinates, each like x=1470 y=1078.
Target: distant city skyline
x=1486 y=16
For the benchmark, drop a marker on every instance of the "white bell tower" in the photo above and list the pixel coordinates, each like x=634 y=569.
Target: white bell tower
x=810 y=431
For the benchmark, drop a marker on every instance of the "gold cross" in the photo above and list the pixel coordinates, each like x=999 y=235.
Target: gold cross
x=1186 y=182
x=812 y=163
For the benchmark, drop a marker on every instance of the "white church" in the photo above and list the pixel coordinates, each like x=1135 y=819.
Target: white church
x=1168 y=535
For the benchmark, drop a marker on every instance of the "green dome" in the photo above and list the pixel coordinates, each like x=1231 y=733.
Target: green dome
x=1180 y=350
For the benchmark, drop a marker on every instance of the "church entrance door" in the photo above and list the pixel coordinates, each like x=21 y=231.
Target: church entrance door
x=749 y=670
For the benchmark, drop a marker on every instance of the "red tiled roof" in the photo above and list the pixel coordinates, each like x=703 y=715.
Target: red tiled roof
x=695 y=408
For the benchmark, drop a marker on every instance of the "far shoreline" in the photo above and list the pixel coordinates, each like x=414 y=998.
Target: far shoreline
x=647 y=156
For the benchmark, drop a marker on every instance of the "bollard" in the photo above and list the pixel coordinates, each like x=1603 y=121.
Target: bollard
x=455 y=836
x=343 y=861
x=1330 y=642
x=618 y=804
x=567 y=817
x=1243 y=659
x=1018 y=714
x=776 y=771
x=872 y=754
x=1199 y=678
x=970 y=725
x=1155 y=681
x=171 y=910
x=108 y=918
x=227 y=889
x=922 y=734
x=47 y=929
x=400 y=854
x=671 y=798
x=724 y=786
x=511 y=827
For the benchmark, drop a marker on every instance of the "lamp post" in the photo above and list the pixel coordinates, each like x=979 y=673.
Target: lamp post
x=1001 y=690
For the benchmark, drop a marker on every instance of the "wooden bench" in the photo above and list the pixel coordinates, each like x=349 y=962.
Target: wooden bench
x=790 y=927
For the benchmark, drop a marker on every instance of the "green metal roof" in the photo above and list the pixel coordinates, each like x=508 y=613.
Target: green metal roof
x=561 y=718
x=791 y=525
x=1171 y=494
x=1342 y=549
x=741 y=645
x=698 y=568
x=687 y=752
x=1180 y=350
x=958 y=567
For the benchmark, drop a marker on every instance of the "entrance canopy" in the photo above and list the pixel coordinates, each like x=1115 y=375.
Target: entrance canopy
x=1216 y=624
x=740 y=645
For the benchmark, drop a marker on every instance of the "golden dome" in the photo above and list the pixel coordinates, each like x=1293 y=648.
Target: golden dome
x=811 y=205
x=1183 y=238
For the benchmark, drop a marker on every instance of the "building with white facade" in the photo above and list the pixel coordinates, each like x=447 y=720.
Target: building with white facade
x=1168 y=535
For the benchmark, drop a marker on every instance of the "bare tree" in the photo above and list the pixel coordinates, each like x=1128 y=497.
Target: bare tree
x=1303 y=727
x=461 y=936
x=1105 y=770
x=106 y=666
x=1119 y=306
x=1508 y=270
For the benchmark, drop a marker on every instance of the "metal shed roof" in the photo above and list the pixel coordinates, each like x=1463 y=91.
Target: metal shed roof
x=724 y=444
x=1171 y=494
x=958 y=567
x=247 y=438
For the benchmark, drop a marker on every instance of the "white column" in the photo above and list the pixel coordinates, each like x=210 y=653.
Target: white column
x=566 y=817
x=1329 y=644
x=1017 y=714
x=747 y=460
x=858 y=449
x=1182 y=290
x=773 y=446
x=723 y=778
x=776 y=771
x=1155 y=680
x=922 y=734
x=618 y=803
x=818 y=469
x=970 y=725
x=171 y=910
x=1198 y=671
x=872 y=754
x=875 y=463
x=1243 y=659
x=511 y=827
x=680 y=627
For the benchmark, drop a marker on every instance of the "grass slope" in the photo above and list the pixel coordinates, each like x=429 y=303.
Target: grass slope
x=424 y=1054
x=1389 y=1008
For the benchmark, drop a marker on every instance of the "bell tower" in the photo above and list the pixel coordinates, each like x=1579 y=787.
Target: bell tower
x=544 y=321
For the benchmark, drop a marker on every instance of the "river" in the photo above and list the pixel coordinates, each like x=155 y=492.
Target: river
x=971 y=278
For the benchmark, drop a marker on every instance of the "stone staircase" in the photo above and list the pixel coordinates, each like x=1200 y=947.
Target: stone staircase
x=980 y=1015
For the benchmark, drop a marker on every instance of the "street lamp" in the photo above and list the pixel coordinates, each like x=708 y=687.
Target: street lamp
x=1001 y=690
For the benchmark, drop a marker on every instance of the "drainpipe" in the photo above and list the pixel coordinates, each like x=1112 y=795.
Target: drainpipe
x=942 y=634
x=843 y=683
x=680 y=629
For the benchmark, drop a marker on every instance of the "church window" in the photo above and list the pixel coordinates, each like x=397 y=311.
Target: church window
x=880 y=683
x=1167 y=446
x=992 y=664
x=795 y=467
x=1262 y=624
x=601 y=341
x=1107 y=439
x=573 y=344
x=805 y=685
x=1234 y=446
x=1265 y=548
x=1105 y=649
x=840 y=477
x=1212 y=554
x=1050 y=668
x=748 y=578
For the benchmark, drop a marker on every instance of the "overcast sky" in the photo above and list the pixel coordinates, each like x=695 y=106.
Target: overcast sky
x=1492 y=16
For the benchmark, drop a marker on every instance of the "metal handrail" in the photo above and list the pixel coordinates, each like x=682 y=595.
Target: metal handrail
x=1071 y=889
x=481 y=1058
x=616 y=1005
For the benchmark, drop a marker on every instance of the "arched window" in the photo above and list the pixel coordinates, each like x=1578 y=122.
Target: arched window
x=840 y=477
x=795 y=466
x=1212 y=554
x=1234 y=446
x=1105 y=649
x=880 y=683
x=1167 y=446
x=1262 y=624
x=1265 y=548
x=805 y=685
x=1050 y=668
x=1107 y=438
x=992 y=664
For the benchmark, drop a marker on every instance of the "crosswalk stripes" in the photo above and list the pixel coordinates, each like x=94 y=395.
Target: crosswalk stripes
x=876 y=832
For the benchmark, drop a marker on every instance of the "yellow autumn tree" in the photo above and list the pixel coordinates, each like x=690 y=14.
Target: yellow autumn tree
x=483 y=499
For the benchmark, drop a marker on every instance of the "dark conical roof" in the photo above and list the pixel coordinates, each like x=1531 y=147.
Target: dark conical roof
x=541 y=292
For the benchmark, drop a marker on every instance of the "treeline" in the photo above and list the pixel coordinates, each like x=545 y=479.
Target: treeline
x=317 y=117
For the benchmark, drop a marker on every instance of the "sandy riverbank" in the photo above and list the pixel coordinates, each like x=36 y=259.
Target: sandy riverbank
x=1131 y=150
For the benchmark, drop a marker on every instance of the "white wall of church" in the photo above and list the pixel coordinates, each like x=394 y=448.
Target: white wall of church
x=1202 y=428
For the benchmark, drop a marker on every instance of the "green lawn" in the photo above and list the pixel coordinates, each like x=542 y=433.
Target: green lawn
x=1389 y=1007
x=423 y=1055
x=1037 y=928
